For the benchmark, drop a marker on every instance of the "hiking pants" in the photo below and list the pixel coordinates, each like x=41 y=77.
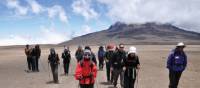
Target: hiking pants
x=33 y=62
x=116 y=74
x=54 y=69
x=29 y=62
x=129 y=78
x=86 y=85
x=101 y=63
x=36 y=64
x=108 y=71
x=66 y=67
x=174 y=78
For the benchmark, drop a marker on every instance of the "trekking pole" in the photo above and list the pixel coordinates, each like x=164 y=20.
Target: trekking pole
x=137 y=78
x=49 y=72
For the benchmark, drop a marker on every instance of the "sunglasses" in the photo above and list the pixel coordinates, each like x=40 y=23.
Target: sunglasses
x=87 y=54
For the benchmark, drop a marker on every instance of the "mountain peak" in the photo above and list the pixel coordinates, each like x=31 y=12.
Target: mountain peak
x=147 y=33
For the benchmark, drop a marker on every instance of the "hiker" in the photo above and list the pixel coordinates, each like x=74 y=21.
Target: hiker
x=38 y=53
x=108 y=56
x=66 y=60
x=132 y=65
x=93 y=55
x=101 y=54
x=53 y=60
x=117 y=64
x=79 y=53
x=28 y=57
x=176 y=63
x=86 y=71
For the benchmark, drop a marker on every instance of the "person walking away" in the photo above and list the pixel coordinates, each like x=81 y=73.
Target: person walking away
x=53 y=60
x=86 y=71
x=79 y=53
x=132 y=65
x=117 y=65
x=66 y=60
x=28 y=57
x=108 y=56
x=176 y=63
x=37 y=57
x=101 y=54
x=93 y=55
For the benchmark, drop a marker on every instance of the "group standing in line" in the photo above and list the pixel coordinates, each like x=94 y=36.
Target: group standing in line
x=119 y=62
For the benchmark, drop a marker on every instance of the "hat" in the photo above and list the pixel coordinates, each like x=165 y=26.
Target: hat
x=87 y=51
x=121 y=46
x=180 y=44
x=132 y=49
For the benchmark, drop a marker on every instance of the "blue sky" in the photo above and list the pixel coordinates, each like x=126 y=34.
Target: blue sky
x=54 y=21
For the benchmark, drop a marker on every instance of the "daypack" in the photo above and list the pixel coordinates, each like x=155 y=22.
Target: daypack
x=101 y=54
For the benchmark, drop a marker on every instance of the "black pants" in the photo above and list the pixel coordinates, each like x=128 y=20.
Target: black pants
x=86 y=85
x=29 y=62
x=129 y=82
x=116 y=74
x=33 y=62
x=174 y=78
x=54 y=69
x=36 y=64
x=66 y=67
x=129 y=78
x=108 y=71
x=101 y=63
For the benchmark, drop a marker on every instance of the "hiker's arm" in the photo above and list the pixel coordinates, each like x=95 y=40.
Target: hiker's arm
x=169 y=61
x=94 y=71
x=138 y=63
x=78 y=74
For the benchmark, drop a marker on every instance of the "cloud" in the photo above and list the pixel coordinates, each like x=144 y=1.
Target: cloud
x=85 y=29
x=35 y=6
x=57 y=10
x=19 y=10
x=46 y=36
x=177 y=12
x=83 y=8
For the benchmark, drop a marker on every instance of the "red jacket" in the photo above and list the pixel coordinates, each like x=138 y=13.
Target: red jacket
x=86 y=72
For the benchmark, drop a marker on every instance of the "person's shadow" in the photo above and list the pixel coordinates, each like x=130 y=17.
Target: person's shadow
x=51 y=82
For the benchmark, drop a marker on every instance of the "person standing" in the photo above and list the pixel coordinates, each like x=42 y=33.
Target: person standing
x=108 y=56
x=132 y=65
x=117 y=64
x=53 y=60
x=28 y=57
x=101 y=54
x=86 y=71
x=37 y=57
x=66 y=60
x=176 y=63
x=79 y=54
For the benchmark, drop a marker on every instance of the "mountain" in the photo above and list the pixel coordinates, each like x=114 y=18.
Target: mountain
x=147 y=33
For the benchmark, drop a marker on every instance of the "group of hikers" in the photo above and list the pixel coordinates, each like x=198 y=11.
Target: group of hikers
x=118 y=62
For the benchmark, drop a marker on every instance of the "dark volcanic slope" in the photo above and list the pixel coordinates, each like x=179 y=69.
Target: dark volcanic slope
x=148 y=33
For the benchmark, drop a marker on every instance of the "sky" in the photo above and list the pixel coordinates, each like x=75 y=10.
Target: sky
x=54 y=21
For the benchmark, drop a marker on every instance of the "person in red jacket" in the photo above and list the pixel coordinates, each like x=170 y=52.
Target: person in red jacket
x=86 y=71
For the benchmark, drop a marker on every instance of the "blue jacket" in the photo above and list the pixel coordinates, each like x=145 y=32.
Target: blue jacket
x=101 y=54
x=177 y=61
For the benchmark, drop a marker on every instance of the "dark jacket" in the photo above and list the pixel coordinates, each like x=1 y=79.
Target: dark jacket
x=79 y=55
x=36 y=52
x=108 y=56
x=66 y=57
x=131 y=64
x=118 y=59
x=53 y=59
x=177 y=61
